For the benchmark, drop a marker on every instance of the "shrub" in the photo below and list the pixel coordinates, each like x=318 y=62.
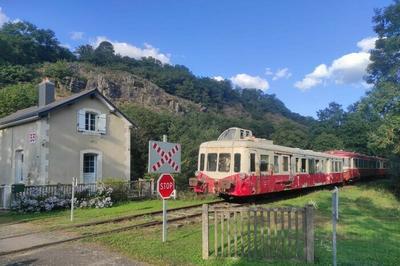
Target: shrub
x=120 y=188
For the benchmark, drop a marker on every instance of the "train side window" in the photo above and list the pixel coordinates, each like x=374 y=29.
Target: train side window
x=317 y=166
x=276 y=164
x=264 y=163
x=212 y=162
x=303 y=166
x=252 y=162
x=285 y=163
x=311 y=166
x=297 y=165
x=237 y=162
x=224 y=162
x=202 y=159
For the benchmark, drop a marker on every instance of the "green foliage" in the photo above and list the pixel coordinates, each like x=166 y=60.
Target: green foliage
x=16 y=97
x=291 y=135
x=119 y=188
x=58 y=70
x=11 y=74
x=327 y=141
x=23 y=43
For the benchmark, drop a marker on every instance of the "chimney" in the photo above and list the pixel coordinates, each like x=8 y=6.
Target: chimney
x=46 y=92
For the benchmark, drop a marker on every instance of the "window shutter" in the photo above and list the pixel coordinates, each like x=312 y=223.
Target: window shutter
x=102 y=123
x=81 y=120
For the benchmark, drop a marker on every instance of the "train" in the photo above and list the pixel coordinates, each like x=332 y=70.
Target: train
x=238 y=164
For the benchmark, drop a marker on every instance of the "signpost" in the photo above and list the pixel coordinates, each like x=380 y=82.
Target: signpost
x=335 y=218
x=164 y=158
x=74 y=184
x=165 y=188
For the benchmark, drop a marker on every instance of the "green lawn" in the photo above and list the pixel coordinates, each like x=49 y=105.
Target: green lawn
x=62 y=218
x=368 y=232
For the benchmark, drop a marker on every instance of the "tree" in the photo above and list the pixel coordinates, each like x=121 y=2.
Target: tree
x=289 y=134
x=16 y=97
x=326 y=141
x=384 y=73
x=23 y=43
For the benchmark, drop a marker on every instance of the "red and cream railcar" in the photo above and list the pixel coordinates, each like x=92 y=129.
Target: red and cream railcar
x=358 y=166
x=238 y=164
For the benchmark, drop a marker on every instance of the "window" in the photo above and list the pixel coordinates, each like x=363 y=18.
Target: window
x=303 y=165
x=276 y=164
x=224 y=162
x=317 y=166
x=202 y=159
x=90 y=168
x=264 y=163
x=252 y=162
x=91 y=121
x=285 y=164
x=212 y=162
x=311 y=166
x=237 y=162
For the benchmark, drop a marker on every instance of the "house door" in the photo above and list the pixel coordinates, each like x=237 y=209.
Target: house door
x=19 y=166
x=89 y=168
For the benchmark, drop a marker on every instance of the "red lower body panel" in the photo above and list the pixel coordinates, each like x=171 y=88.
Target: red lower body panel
x=242 y=185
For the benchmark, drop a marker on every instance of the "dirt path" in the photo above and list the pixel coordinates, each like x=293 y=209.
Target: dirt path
x=70 y=253
x=73 y=253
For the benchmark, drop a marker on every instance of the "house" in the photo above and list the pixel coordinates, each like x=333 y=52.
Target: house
x=83 y=136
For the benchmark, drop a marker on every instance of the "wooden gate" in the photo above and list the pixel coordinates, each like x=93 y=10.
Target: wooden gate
x=258 y=232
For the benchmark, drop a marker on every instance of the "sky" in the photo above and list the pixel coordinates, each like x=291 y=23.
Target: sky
x=308 y=53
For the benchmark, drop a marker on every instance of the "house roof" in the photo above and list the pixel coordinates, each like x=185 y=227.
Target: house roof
x=36 y=112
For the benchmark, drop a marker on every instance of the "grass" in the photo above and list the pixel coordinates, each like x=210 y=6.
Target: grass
x=62 y=218
x=368 y=232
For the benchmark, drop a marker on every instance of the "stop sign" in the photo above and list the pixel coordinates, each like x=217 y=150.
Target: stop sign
x=165 y=186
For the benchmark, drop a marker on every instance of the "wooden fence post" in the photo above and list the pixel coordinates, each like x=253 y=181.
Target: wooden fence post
x=309 y=233
x=205 y=232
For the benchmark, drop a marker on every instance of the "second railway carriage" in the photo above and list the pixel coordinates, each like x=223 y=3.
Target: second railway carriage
x=357 y=165
x=239 y=164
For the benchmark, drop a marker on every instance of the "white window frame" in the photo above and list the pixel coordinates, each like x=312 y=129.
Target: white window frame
x=82 y=128
x=99 y=164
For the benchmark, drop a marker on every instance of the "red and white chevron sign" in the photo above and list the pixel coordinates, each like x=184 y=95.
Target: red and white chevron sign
x=164 y=157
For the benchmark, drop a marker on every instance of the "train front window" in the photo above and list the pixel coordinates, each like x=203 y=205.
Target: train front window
x=264 y=161
x=212 y=162
x=237 y=163
x=224 y=162
x=252 y=162
x=202 y=159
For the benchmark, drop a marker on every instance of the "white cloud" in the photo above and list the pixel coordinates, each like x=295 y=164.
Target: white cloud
x=251 y=82
x=218 y=78
x=126 y=49
x=3 y=18
x=367 y=44
x=347 y=69
x=76 y=35
x=282 y=73
x=268 y=71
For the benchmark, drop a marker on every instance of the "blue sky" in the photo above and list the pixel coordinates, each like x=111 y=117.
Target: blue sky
x=308 y=53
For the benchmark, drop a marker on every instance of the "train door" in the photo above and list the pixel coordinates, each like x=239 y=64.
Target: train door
x=293 y=167
x=254 y=170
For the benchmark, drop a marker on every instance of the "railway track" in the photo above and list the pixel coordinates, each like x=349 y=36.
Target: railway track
x=175 y=215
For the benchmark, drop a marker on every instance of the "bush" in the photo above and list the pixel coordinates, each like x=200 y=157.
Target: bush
x=37 y=202
x=120 y=188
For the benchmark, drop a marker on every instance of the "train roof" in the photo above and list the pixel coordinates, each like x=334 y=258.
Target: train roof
x=353 y=154
x=237 y=137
